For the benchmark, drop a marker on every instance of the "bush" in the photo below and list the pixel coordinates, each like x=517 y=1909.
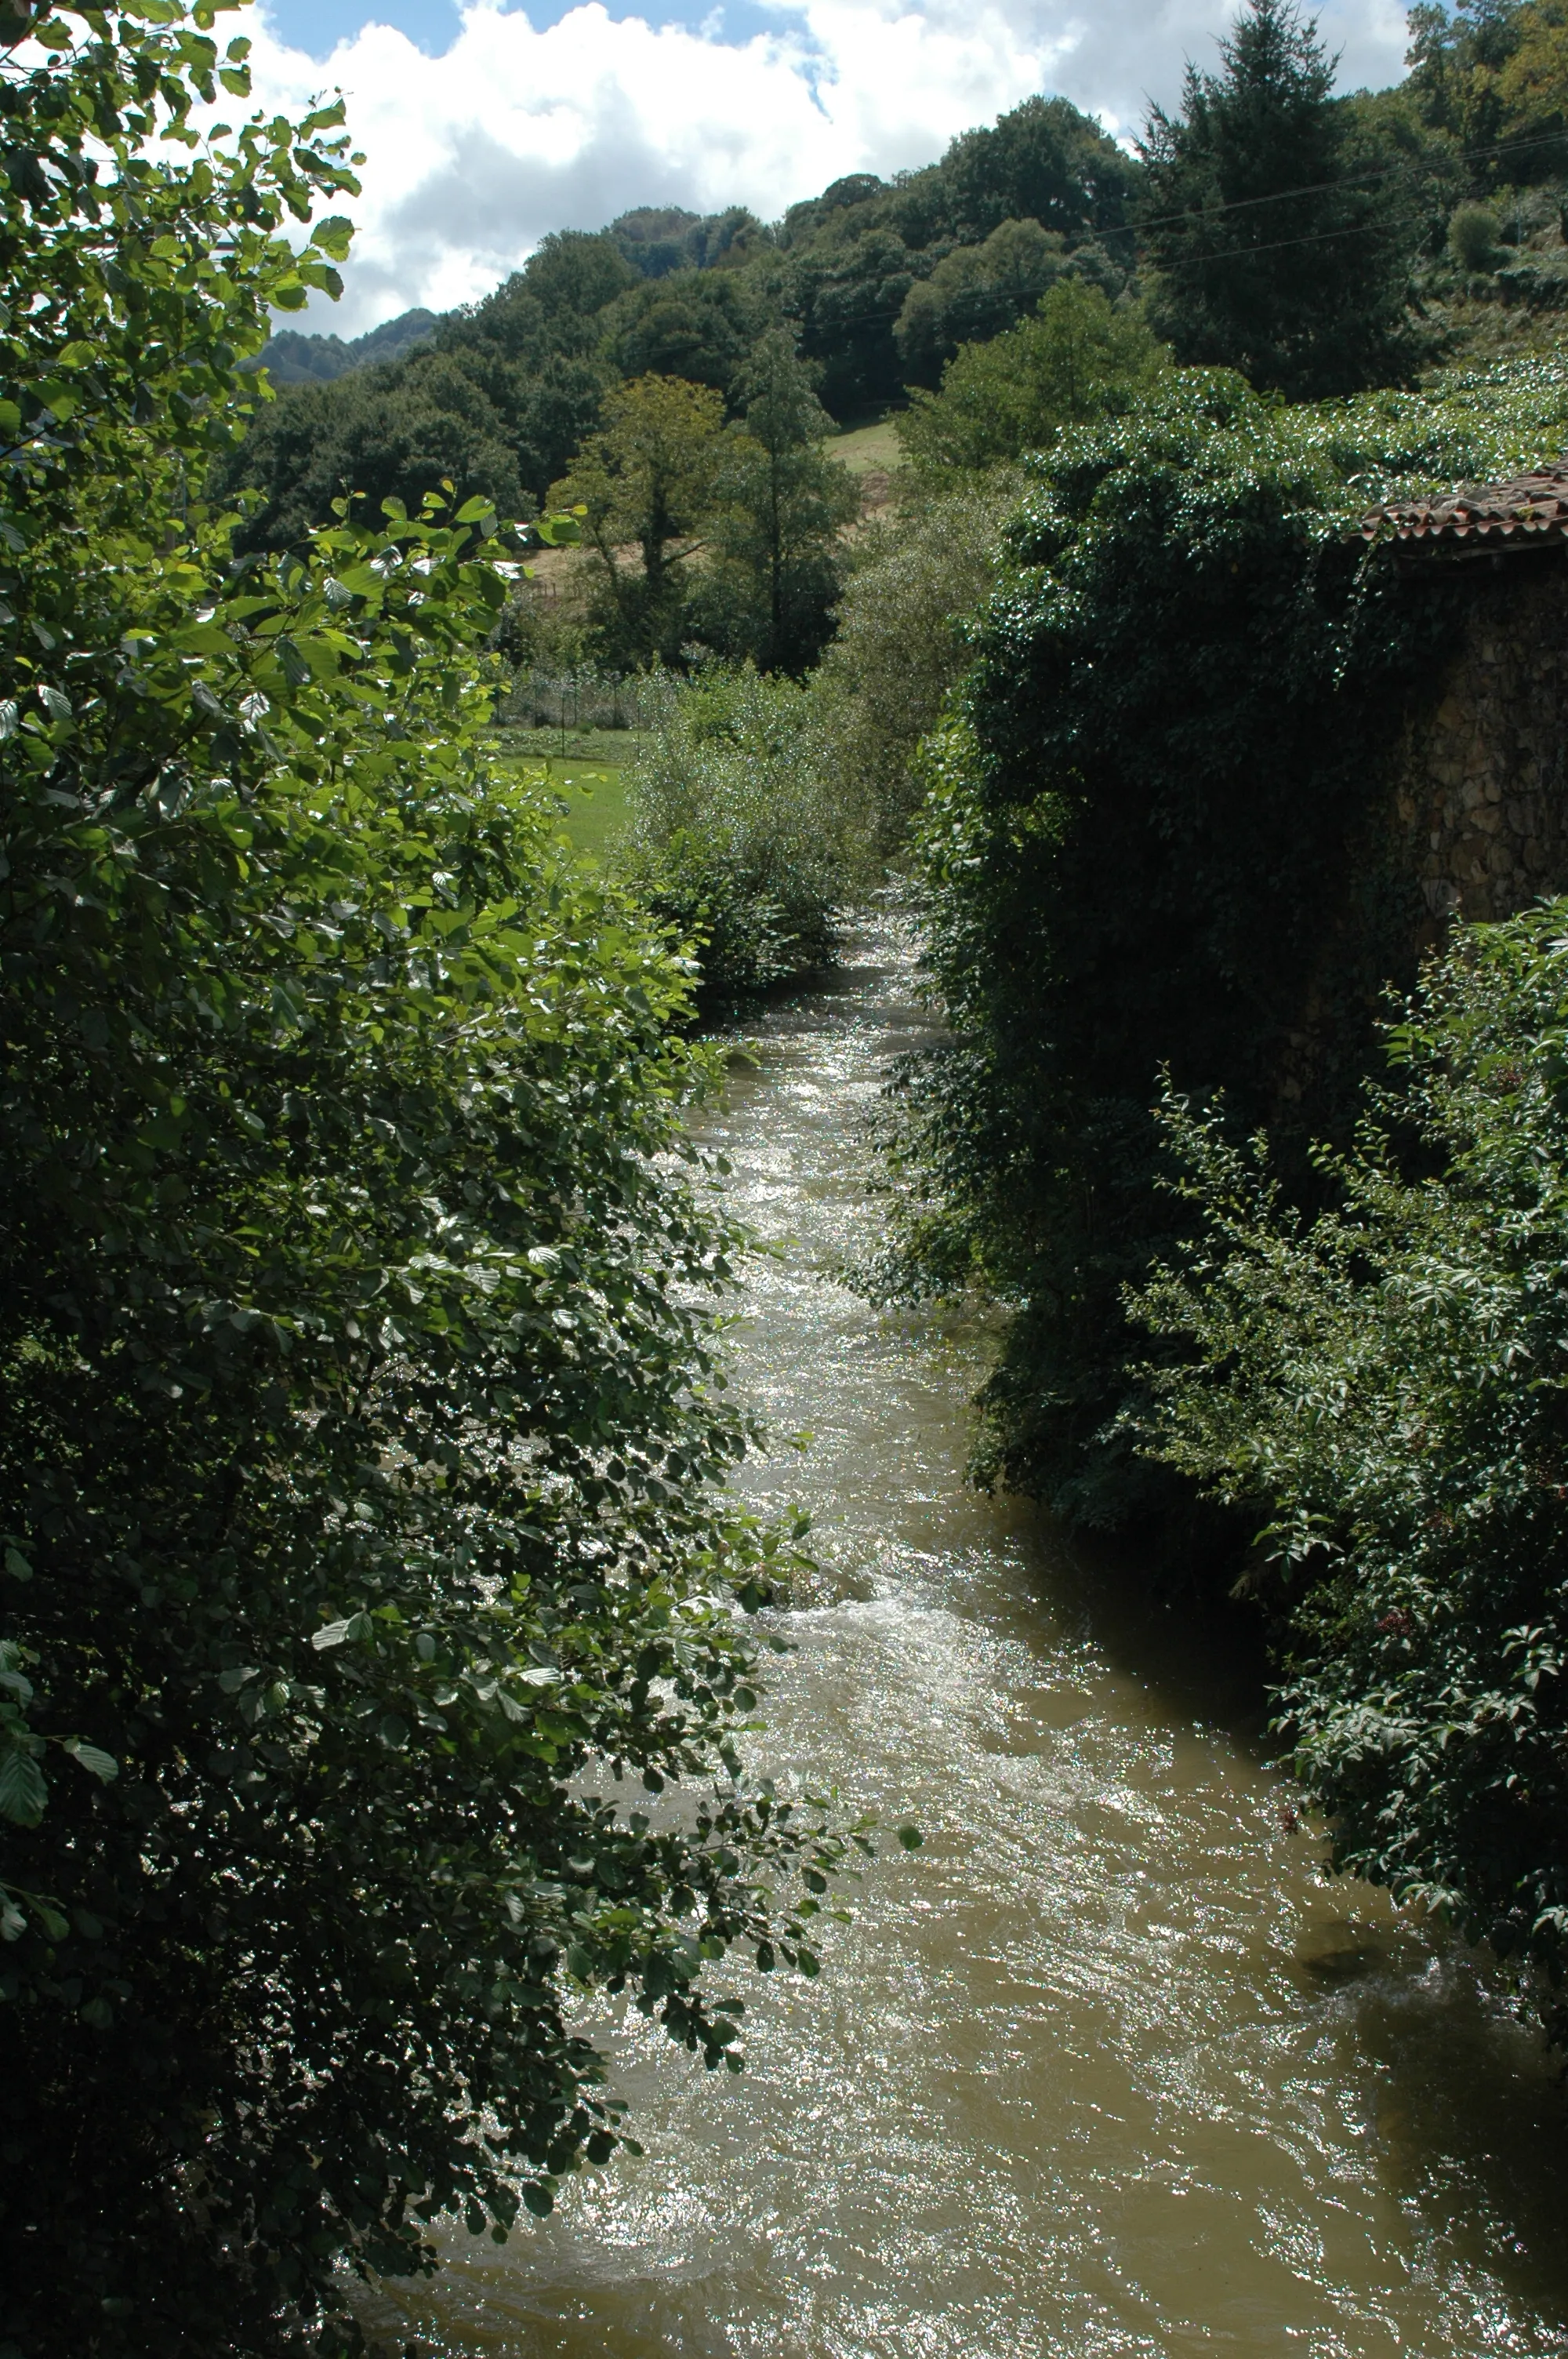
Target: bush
x=1385 y=1386
x=1153 y=810
x=742 y=837
x=916 y=582
x=363 y=1557
x=1473 y=237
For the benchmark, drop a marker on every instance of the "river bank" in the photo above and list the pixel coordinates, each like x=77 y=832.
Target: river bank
x=1105 y=2068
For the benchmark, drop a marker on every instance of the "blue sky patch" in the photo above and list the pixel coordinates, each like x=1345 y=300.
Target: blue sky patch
x=317 y=26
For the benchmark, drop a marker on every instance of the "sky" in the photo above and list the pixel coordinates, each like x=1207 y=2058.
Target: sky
x=484 y=126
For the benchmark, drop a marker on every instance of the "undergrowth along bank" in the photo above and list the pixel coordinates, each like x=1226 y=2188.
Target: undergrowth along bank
x=1155 y=802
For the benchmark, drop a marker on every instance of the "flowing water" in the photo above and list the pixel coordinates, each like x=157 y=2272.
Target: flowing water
x=1105 y=2068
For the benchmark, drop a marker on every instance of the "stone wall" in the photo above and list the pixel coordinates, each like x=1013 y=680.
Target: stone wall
x=1470 y=820
x=1481 y=775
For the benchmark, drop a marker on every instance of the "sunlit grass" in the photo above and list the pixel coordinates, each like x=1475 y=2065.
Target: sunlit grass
x=593 y=790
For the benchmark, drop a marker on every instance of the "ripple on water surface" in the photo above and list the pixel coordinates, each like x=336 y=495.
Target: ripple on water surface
x=1104 y=2071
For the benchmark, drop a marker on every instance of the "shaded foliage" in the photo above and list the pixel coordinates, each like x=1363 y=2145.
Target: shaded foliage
x=700 y=325
x=1382 y=1388
x=363 y=1570
x=1141 y=834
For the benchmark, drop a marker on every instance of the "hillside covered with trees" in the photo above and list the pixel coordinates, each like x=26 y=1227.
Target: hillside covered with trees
x=1321 y=247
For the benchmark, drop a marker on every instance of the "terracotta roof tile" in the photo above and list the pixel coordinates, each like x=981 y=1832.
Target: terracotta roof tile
x=1528 y=512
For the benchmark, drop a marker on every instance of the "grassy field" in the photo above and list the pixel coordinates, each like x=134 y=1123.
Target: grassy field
x=593 y=790
x=613 y=748
x=868 y=449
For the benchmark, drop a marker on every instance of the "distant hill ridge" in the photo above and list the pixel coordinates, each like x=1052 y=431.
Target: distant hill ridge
x=293 y=359
x=849 y=257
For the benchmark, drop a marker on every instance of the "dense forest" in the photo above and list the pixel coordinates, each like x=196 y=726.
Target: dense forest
x=365 y=1446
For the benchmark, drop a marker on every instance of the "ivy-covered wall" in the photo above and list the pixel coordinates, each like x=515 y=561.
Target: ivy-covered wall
x=1180 y=827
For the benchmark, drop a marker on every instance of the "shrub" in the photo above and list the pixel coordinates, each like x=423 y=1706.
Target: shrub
x=741 y=837
x=916 y=582
x=361 y=1554
x=1473 y=237
x=1152 y=812
x=1384 y=1388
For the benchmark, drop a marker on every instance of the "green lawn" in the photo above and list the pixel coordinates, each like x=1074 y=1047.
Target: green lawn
x=613 y=748
x=869 y=448
x=594 y=792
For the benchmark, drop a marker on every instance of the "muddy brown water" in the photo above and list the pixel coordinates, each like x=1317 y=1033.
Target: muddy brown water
x=1106 y=2070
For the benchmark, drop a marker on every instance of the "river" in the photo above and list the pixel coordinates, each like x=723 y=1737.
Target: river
x=1106 y=2070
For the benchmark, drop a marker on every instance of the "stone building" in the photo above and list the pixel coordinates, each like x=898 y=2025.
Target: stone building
x=1480 y=811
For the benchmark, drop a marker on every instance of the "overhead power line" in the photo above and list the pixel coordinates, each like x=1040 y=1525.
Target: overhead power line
x=1348 y=180
x=1241 y=205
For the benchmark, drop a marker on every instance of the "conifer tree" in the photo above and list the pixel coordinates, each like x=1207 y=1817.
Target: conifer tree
x=1277 y=247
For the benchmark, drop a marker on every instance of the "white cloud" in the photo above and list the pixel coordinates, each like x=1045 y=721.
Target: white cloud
x=474 y=154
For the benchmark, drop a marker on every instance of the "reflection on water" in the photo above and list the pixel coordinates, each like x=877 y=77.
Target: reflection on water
x=1105 y=2069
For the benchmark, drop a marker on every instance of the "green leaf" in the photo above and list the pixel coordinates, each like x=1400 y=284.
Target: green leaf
x=911 y=1838
x=334 y=236
x=22 y=1790
x=101 y=1765
x=351 y=1631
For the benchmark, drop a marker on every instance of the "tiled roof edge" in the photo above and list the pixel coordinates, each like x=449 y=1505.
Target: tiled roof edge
x=1533 y=506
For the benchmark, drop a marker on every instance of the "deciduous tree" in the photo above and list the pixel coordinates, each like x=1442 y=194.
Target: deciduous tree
x=1076 y=359
x=645 y=484
x=364 y=1577
x=782 y=503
